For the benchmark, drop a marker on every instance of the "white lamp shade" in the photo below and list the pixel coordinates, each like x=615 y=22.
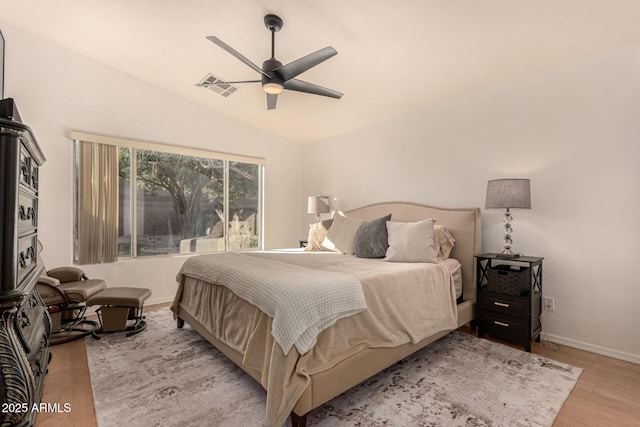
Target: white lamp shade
x=318 y=204
x=508 y=193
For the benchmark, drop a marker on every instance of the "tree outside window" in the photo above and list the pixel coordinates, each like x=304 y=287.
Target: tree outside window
x=180 y=203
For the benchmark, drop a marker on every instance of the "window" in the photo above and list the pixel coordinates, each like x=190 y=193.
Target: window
x=169 y=201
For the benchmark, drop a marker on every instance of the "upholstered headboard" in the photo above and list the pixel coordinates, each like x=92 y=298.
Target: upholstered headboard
x=464 y=224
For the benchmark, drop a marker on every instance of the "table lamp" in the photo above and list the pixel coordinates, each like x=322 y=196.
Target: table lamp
x=508 y=193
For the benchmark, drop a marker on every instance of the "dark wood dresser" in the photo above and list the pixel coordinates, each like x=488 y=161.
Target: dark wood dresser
x=24 y=322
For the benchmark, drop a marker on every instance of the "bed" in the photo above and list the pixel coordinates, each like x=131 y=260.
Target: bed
x=301 y=376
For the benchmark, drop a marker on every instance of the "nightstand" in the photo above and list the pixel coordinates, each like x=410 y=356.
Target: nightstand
x=509 y=300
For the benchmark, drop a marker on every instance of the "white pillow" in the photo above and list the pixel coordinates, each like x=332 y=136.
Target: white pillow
x=317 y=233
x=411 y=241
x=342 y=233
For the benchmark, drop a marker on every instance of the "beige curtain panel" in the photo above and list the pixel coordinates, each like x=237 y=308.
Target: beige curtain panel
x=97 y=203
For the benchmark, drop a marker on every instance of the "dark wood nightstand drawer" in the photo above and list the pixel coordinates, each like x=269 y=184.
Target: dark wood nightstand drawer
x=504 y=326
x=504 y=304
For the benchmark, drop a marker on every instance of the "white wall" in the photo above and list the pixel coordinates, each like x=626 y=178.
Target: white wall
x=57 y=90
x=575 y=132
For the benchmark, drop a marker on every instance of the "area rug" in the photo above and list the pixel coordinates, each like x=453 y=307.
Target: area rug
x=166 y=376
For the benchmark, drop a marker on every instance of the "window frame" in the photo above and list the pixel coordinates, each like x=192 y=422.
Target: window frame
x=133 y=145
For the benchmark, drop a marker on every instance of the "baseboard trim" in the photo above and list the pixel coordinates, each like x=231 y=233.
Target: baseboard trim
x=154 y=301
x=628 y=357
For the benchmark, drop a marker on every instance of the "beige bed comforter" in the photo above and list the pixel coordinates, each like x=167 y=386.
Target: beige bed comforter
x=405 y=303
x=301 y=301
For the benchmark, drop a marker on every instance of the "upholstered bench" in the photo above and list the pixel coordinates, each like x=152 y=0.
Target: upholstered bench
x=119 y=305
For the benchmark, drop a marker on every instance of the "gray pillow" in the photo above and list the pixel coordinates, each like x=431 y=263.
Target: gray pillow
x=371 y=239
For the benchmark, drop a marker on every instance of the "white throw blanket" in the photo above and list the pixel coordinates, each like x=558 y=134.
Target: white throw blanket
x=302 y=302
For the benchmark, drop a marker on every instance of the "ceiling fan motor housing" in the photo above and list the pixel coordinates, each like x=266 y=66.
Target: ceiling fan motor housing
x=269 y=67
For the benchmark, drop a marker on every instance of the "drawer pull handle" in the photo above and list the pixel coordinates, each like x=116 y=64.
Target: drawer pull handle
x=506 y=325
x=25 y=215
x=22 y=260
x=501 y=304
x=25 y=170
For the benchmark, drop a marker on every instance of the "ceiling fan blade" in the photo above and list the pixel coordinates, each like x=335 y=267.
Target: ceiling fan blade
x=227 y=83
x=235 y=53
x=301 y=86
x=271 y=101
x=301 y=65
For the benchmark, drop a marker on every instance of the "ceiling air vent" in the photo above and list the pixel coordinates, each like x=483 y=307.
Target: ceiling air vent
x=223 y=88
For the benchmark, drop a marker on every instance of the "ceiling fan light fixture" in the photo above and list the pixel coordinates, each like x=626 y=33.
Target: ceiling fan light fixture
x=274 y=75
x=272 y=88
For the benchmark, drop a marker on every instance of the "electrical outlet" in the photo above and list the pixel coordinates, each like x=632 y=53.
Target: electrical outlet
x=549 y=304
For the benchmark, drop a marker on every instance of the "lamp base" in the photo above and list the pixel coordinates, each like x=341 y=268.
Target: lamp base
x=506 y=252
x=507 y=256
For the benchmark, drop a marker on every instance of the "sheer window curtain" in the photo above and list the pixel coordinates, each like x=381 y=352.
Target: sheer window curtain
x=97 y=203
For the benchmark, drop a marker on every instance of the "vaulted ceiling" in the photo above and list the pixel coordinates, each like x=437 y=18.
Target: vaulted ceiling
x=394 y=57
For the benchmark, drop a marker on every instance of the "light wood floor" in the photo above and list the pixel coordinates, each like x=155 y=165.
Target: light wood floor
x=607 y=393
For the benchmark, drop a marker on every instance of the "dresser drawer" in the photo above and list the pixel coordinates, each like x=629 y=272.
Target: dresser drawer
x=25 y=167
x=28 y=170
x=32 y=321
x=35 y=176
x=27 y=213
x=27 y=256
x=504 y=304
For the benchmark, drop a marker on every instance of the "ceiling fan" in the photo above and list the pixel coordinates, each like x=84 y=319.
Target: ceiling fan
x=277 y=77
